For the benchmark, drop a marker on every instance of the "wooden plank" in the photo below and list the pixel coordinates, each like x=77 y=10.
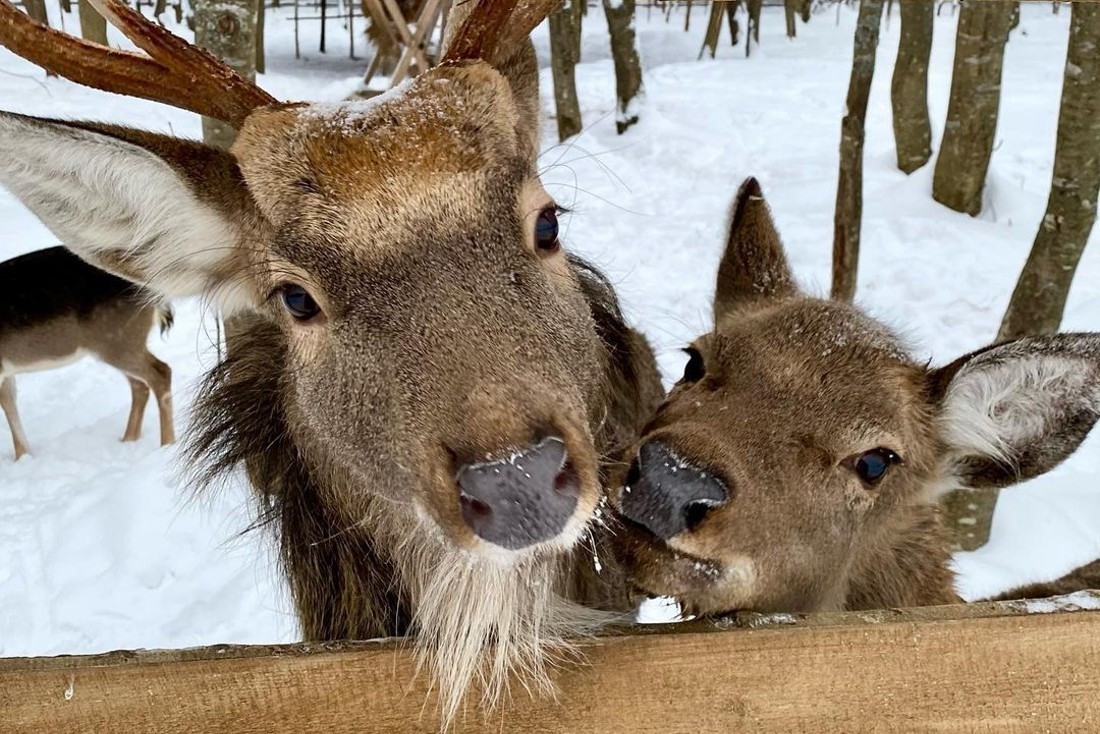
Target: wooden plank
x=997 y=668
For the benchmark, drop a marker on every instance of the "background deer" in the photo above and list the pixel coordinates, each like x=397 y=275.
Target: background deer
x=57 y=309
x=797 y=464
x=422 y=383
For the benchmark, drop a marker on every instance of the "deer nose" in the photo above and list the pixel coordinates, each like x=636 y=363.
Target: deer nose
x=666 y=494
x=521 y=500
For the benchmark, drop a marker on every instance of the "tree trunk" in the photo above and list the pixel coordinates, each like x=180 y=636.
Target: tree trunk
x=261 y=53
x=909 y=89
x=849 y=189
x=752 y=7
x=731 y=15
x=790 y=11
x=1040 y=296
x=565 y=32
x=93 y=27
x=227 y=29
x=968 y=135
x=968 y=514
x=628 y=67
x=804 y=10
x=37 y=10
x=714 y=26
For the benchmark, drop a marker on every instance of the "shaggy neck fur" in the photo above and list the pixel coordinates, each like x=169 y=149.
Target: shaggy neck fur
x=476 y=621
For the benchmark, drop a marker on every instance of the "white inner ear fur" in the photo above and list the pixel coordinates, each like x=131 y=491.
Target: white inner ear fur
x=102 y=195
x=993 y=410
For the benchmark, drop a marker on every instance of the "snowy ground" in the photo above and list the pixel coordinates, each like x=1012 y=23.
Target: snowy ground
x=100 y=548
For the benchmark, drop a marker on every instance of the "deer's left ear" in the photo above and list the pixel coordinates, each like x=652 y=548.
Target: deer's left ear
x=1016 y=410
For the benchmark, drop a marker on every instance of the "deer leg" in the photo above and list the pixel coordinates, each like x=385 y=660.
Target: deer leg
x=142 y=366
x=139 y=399
x=7 y=402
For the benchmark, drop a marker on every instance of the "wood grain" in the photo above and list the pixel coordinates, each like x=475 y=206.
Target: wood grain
x=969 y=668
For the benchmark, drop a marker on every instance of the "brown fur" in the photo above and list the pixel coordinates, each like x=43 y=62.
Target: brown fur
x=793 y=390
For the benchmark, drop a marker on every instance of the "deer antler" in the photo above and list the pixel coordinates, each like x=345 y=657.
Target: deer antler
x=175 y=72
x=493 y=28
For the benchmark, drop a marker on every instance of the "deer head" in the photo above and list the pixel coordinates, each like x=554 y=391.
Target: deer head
x=797 y=463
x=439 y=367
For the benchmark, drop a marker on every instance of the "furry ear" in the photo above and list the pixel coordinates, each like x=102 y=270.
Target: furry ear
x=1016 y=410
x=521 y=69
x=159 y=211
x=754 y=266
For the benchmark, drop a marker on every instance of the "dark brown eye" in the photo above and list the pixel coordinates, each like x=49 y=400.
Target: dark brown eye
x=298 y=302
x=546 y=232
x=871 y=466
x=695 y=369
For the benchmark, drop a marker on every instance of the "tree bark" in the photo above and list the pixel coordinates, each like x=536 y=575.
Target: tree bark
x=93 y=27
x=714 y=26
x=804 y=10
x=790 y=11
x=972 y=110
x=909 y=88
x=968 y=514
x=565 y=33
x=1040 y=296
x=849 y=190
x=628 y=67
x=227 y=29
x=261 y=52
x=37 y=10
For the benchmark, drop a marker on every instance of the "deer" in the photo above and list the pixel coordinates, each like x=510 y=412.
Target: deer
x=797 y=464
x=423 y=388
x=58 y=308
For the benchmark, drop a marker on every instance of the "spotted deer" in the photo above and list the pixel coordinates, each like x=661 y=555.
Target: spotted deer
x=421 y=384
x=797 y=464
x=58 y=308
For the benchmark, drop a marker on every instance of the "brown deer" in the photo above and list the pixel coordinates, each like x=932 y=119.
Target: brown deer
x=422 y=385
x=797 y=464
x=57 y=309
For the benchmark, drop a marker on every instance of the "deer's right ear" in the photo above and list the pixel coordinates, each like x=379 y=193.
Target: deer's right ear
x=160 y=212
x=754 y=266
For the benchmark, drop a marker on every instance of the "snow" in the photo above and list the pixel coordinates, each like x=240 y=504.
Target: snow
x=103 y=546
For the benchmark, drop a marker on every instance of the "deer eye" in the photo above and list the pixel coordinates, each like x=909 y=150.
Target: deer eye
x=298 y=302
x=546 y=232
x=694 y=370
x=871 y=466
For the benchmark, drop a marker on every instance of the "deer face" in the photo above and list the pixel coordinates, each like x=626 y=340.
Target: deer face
x=440 y=347
x=802 y=434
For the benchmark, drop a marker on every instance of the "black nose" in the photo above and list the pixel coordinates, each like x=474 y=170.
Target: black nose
x=667 y=495
x=522 y=500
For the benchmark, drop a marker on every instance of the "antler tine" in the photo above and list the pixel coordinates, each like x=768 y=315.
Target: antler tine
x=175 y=72
x=494 y=27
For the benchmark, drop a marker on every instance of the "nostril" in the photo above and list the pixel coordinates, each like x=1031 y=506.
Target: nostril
x=695 y=512
x=634 y=475
x=568 y=482
x=474 y=506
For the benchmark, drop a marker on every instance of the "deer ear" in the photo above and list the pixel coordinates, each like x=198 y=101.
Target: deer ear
x=161 y=212
x=1016 y=410
x=521 y=69
x=754 y=266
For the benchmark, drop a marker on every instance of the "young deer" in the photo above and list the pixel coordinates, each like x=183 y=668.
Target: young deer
x=421 y=384
x=56 y=309
x=798 y=463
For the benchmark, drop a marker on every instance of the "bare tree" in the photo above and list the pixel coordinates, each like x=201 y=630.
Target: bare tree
x=753 y=32
x=37 y=10
x=628 y=67
x=1040 y=296
x=227 y=29
x=909 y=88
x=714 y=26
x=790 y=13
x=968 y=135
x=565 y=53
x=93 y=27
x=849 y=190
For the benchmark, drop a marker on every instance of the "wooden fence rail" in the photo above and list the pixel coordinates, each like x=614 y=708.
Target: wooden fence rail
x=1000 y=668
